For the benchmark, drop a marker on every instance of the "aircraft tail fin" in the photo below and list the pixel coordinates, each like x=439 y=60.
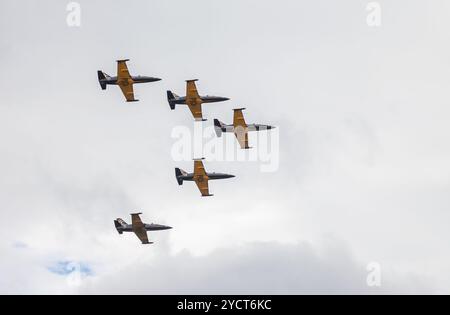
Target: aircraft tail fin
x=102 y=78
x=171 y=98
x=219 y=127
x=178 y=173
x=120 y=225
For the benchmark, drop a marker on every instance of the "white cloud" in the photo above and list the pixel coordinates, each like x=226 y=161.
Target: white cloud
x=253 y=268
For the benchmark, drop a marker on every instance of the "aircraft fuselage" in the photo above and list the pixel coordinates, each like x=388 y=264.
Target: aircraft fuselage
x=181 y=100
x=136 y=79
x=211 y=176
x=251 y=127
x=148 y=227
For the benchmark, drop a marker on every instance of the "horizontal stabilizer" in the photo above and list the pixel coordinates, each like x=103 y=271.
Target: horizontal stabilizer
x=178 y=173
x=118 y=226
x=101 y=79
x=171 y=98
x=219 y=127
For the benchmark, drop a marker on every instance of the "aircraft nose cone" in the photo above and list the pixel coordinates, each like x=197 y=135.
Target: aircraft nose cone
x=149 y=79
x=159 y=227
x=220 y=98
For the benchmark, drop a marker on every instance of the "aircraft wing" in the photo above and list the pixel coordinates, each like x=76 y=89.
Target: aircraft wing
x=242 y=137
x=122 y=70
x=202 y=184
x=136 y=221
x=139 y=228
x=128 y=91
x=238 y=118
x=193 y=100
x=125 y=81
x=142 y=235
x=199 y=169
x=196 y=111
x=201 y=178
x=240 y=128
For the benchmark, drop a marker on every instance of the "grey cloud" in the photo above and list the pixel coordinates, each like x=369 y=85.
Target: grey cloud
x=254 y=268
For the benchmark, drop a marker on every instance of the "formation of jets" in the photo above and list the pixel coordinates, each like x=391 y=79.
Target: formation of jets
x=194 y=102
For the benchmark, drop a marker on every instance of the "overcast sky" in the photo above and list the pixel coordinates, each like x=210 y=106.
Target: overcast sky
x=364 y=147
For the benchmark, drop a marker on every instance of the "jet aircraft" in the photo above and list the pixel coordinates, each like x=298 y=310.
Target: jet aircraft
x=200 y=176
x=138 y=227
x=239 y=127
x=124 y=80
x=192 y=99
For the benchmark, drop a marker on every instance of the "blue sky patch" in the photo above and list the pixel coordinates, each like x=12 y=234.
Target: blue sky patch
x=66 y=267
